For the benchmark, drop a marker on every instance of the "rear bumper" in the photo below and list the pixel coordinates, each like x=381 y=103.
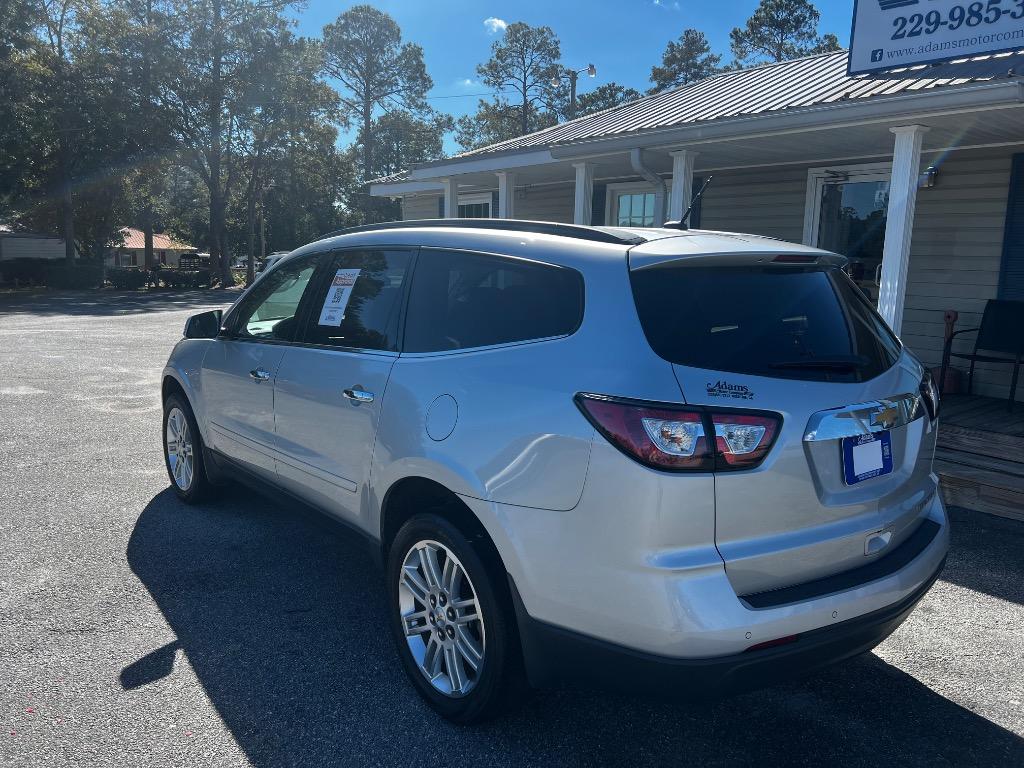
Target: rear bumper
x=553 y=654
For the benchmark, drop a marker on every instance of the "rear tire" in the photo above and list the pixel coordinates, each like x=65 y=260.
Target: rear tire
x=461 y=650
x=183 y=451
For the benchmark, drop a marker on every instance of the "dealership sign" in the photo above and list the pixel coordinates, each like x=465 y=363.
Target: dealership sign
x=900 y=33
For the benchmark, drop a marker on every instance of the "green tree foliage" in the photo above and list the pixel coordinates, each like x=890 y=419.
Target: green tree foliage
x=18 y=19
x=826 y=44
x=605 y=97
x=206 y=119
x=496 y=121
x=779 y=30
x=377 y=71
x=523 y=62
x=288 y=106
x=70 y=128
x=401 y=140
x=216 y=52
x=312 y=192
x=128 y=34
x=684 y=61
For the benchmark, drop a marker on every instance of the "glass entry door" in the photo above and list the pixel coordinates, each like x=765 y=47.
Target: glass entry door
x=850 y=212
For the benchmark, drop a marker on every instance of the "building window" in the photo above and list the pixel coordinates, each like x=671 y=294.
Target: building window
x=635 y=210
x=846 y=213
x=474 y=210
x=631 y=204
x=475 y=206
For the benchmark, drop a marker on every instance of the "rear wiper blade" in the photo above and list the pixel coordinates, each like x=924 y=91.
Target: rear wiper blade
x=824 y=363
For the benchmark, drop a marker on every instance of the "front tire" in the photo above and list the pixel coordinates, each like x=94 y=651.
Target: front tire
x=452 y=621
x=183 y=451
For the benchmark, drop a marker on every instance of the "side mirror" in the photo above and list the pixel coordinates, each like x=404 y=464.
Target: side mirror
x=205 y=325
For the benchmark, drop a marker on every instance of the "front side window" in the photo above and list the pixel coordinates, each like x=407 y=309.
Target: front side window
x=359 y=306
x=269 y=312
x=462 y=300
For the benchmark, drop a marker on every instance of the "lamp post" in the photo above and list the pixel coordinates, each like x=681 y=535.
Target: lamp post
x=573 y=74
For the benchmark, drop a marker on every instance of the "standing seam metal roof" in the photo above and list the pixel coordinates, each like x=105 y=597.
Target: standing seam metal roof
x=804 y=82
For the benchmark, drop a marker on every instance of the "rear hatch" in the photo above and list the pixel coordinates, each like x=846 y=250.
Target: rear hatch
x=848 y=477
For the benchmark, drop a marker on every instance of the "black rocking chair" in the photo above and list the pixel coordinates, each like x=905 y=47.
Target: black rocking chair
x=1002 y=332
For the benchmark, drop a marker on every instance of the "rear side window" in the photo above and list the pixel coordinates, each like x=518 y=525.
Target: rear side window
x=462 y=300
x=359 y=303
x=780 y=321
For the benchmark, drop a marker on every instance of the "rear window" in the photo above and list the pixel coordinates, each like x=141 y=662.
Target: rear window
x=780 y=321
x=462 y=300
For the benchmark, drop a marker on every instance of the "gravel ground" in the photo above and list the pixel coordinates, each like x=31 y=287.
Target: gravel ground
x=136 y=631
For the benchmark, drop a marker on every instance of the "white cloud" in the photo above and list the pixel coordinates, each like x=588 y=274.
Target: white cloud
x=494 y=25
x=466 y=82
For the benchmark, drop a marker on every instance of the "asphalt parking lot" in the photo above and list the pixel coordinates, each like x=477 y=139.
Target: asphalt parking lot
x=137 y=631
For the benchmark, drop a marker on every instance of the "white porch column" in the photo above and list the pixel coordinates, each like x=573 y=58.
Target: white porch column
x=506 y=194
x=451 y=198
x=899 y=223
x=682 y=182
x=582 y=211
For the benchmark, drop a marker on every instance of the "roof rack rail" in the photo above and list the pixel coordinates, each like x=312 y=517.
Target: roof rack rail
x=507 y=225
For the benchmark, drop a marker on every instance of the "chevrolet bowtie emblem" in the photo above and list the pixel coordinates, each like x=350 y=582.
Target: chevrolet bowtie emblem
x=885 y=418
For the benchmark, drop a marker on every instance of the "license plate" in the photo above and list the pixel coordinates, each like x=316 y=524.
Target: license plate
x=866 y=456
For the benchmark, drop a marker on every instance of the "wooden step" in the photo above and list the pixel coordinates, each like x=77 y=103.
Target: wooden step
x=982 y=442
x=1011 y=469
x=981 y=483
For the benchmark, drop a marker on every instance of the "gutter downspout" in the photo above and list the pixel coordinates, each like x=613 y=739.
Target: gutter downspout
x=636 y=159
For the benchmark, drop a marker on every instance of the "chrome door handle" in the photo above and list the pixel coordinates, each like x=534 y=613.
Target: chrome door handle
x=358 y=395
x=259 y=375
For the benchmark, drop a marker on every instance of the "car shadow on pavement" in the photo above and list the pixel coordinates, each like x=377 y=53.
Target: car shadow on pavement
x=281 y=615
x=990 y=554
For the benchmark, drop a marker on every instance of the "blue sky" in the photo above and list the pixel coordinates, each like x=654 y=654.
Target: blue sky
x=623 y=38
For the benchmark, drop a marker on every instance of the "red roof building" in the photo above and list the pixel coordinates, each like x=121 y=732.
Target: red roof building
x=166 y=250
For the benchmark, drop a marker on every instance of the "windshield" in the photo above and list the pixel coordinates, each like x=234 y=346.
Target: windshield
x=780 y=321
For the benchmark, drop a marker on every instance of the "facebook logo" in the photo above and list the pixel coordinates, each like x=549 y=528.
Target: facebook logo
x=876 y=55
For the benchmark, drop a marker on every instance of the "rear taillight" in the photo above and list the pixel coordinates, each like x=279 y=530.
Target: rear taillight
x=676 y=438
x=660 y=437
x=743 y=439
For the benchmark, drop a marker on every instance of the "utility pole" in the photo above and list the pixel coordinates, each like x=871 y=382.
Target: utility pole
x=573 y=76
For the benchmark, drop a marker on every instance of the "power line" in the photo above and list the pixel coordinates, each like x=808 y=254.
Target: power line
x=468 y=95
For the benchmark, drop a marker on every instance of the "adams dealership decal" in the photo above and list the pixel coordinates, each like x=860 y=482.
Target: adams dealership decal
x=732 y=391
x=899 y=33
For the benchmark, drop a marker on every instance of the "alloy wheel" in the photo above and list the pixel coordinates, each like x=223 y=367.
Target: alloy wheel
x=179 y=448
x=441 y=618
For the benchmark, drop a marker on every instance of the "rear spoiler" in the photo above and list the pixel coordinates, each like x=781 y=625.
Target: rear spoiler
x=708 y=249
x=740 y=259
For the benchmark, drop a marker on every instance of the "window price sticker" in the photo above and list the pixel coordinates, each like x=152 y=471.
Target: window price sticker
x=333 y=311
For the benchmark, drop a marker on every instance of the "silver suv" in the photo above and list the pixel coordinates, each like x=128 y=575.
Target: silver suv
x=654 y=459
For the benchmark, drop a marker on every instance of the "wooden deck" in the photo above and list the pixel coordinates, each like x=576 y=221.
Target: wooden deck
x=980 y=455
